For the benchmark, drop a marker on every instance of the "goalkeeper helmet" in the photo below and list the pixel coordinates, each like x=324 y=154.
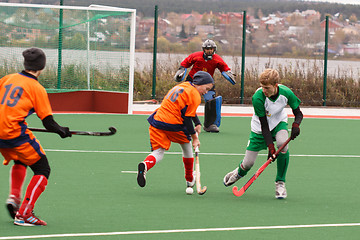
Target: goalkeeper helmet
x=209 y=44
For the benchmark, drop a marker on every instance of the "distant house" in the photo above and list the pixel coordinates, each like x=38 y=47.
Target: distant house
x=271 y=22
x=294 y=31
x=333 y=26
x=231 y=17
x=145 y=25
x=204 y=29
x=351 y=30
x=191 y=17
x=311 y=15
x=352 y=49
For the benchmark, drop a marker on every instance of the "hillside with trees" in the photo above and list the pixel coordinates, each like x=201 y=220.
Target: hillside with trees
x=146 y=7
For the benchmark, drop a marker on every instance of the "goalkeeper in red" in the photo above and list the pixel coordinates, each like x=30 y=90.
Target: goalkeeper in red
x=269 y=124
x=208 y=61
x=172 y=122
x=20 y=96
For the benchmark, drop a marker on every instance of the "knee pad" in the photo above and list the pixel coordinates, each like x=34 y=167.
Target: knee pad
x=19 y=162
x=281 y=138
x=158 y=154
x=41 y=167
x=187 y=150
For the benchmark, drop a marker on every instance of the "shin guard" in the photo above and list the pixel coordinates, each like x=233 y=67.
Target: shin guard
x=17 y=177
x=35 y=188
x=189 y=166
x=150 y=161
x=282 y=165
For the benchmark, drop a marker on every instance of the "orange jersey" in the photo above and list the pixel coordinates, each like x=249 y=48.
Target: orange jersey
x=181 y=101
x=20 y=96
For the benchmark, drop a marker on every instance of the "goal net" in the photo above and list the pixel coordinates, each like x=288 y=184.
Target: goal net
x=87 y=48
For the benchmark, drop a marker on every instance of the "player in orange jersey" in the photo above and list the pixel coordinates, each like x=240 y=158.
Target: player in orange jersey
x=21 y=95
x=172 y=122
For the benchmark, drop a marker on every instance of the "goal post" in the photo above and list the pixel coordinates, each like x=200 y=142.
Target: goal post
x=87 y=48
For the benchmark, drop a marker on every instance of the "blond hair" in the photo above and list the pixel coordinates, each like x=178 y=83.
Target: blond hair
x=269 y=76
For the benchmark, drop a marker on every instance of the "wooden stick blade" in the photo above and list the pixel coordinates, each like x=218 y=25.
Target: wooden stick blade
x=202 y=191
x=199 y=190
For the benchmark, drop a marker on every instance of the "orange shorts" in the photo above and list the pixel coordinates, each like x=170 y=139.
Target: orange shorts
x=162 y=139
x=28 y=153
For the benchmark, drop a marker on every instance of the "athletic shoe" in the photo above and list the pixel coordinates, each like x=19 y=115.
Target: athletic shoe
x=232 y=177
x=192 y=183
x=141 y=177
x=280 y=190
x=13 y=205
x=212 y=128
x=28 y=220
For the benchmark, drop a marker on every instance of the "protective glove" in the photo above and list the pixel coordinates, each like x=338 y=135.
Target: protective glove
x=295 y=131
x=180 y=74
x=272 y=151
x=64 y=132
x=228 y=75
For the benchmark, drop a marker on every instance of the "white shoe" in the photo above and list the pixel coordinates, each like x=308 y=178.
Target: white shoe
x=13 y=205
x=280 y=190
x=231 y=177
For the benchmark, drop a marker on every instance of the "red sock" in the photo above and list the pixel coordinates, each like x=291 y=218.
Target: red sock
x=150 y=161
x=188 y=164
x=17 y=177
x=35 y=188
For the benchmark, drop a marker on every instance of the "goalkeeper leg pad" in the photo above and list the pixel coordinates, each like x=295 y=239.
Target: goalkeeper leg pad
x=218 y=101
x=213 y=112
x=210 y=113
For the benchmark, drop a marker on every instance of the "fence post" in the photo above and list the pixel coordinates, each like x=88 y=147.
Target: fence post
x=60 y=45
x=325 y=58
x=154 y=52
x=243 y=59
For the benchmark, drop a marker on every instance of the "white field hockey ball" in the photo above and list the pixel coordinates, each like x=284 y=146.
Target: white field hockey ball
x=189 y=191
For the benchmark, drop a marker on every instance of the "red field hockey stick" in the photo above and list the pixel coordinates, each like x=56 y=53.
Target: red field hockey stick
x=242 y=190
x=112 y=131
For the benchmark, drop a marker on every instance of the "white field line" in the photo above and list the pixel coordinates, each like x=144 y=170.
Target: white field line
x=202 y=153
x=182 y=231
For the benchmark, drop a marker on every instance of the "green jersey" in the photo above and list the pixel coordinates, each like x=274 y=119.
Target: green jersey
x=274 y=110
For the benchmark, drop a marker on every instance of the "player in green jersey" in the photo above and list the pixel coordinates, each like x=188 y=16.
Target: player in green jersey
x=269 y=124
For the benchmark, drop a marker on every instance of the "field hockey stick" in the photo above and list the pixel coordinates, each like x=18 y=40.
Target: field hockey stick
x=112 y=131
x=199 y=190
x=242 y=190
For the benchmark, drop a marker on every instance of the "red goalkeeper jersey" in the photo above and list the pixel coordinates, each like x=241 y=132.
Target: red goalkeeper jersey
x=200 y=64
